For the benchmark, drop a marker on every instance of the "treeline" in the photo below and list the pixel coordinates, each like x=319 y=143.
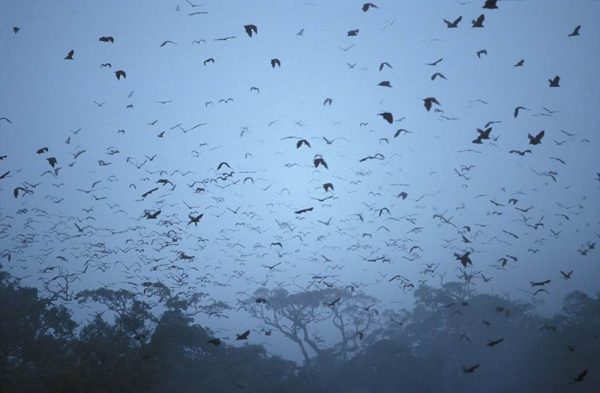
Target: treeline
x=451 y=341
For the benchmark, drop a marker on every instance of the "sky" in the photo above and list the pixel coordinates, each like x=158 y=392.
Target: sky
x=176 y=117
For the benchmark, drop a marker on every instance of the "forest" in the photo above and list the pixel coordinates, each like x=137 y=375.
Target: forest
x=454 y=339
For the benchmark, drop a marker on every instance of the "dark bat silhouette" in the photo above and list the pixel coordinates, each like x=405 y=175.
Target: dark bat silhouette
x=24 y=190
x=492 y=343
x=214 y=341
x=429 y=101
x=209 y=60
x=468 y=370
x=519 y=152
x=368 y=6
x=275 y=62
x=106 y=39
x=536 y=140
x=539 y=283
x=490 y=4
x=464 y=259
x=580 y=377
x=387 y=116
x=554 y=82
x=319 y=161
x=383 y=209
x=120 y=73
x=302 y=142
x=323 y=199
x=225 y=38
x=196 y=219
x=243 y=336
x=384 y=64
x=575 y=31
x=69 y=55
x=478 y=22
x=192 y=4
x=517 y=109
x=80 y=229
x=271 y=267
x=151 y=216
x=308 y=209
x=435 y=62
x=144 y=195
x=454 y=24
x=483 y=134
x=377 y=156
x=221 y=165
x=400 y=131
x=250 y=29
x=566 y=275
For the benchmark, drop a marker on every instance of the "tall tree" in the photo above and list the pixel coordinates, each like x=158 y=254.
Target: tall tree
x=298 y=315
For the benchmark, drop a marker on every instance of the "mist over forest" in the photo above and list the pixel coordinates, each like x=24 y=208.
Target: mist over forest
x=454 y=339
x=299 y=196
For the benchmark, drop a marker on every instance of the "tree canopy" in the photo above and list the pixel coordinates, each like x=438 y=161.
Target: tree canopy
x=453 y=340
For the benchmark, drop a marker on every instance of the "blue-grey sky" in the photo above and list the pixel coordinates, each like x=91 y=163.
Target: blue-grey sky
x=177 y=117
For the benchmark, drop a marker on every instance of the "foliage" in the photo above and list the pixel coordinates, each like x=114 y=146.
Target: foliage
x=423 y=350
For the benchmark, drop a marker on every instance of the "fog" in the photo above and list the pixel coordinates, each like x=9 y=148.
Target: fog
x=357 y=195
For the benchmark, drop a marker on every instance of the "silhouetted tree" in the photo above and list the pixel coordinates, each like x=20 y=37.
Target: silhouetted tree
x=34 y=339
x=296 y=315
x=126 y=348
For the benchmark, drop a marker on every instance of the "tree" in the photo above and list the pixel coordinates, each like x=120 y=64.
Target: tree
x=132 y=314
x=34 y=338
x=190 y=303
x=297 y=316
